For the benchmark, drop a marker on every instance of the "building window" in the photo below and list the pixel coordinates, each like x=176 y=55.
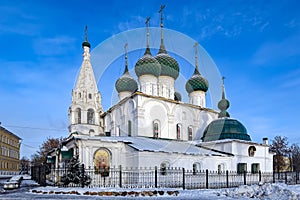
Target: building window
x=251 y=151
x=129 y=128
x=163 y=168
x=90 y=116
x=178 y=131
x=241 y=168
x=255 y=168
x=90 y=96
x=196 y=168
x=79 y=94
x=156 y=129
x=190 y=133
x=78 y=116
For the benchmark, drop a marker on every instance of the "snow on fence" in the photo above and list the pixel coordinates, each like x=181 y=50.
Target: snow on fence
x=159 y=178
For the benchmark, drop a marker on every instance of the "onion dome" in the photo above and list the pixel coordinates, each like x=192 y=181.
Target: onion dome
x=224 y=104
x=86 y=43
x=147 y=64
x=197 y=82
x=177 y=96
x=169 y=66
x=225 y=128
x=126 y=82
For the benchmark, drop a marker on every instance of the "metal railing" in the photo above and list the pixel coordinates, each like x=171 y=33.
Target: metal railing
x=160 y=178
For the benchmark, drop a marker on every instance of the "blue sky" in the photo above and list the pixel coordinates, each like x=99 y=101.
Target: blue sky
x=255 y=45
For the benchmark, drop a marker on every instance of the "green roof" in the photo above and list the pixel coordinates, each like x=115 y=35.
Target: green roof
x=225 y=128
x=169 y=66
x=196 y=83
x=126 y=83
x=147 y=65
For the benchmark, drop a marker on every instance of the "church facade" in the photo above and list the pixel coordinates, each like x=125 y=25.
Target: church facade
x=150 y=126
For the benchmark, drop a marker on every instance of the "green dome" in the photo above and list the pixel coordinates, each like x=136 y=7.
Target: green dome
x=169 y=66
x=196 y=83
x=126 y=83
x=225 y=128
x=147 y=65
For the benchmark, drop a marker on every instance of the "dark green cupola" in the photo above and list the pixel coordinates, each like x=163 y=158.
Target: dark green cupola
x=169 y=66
x=126 y=83
x=225 y=127
x=147 y=65
x=197 y=82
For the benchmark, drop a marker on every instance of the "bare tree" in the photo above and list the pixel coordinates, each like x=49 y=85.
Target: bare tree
x=295 y=157
x=40 y=156
x=25 y=164
x=280 y=147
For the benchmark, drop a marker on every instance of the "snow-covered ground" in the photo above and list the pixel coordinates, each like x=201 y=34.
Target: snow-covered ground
x=31 y=190
x=262 y=192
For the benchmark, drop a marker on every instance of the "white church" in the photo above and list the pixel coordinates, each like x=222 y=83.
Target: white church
x=151 y=126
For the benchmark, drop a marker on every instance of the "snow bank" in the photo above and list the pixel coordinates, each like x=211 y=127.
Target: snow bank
x=266 y=191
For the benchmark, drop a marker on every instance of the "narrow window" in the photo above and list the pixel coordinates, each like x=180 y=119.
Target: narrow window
x=155 y=129
x=255 y=168
x=190 y=133
x=129 y=128
x=178 y=131
x=196 y=168
x=163 y=168
x=90 y=96
x=90 y=116
x=241 y=168
x=78 y=116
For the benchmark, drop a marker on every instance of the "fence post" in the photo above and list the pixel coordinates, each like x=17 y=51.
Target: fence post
x=285 y=177
x=82 y=176
x=259 y=176
x=206 y=172
x=245 y=177
x=155 y=177
x=183 y=178
x=227 y=179
x=120 y=176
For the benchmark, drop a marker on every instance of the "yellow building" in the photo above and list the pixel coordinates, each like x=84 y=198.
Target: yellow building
x=9 y=152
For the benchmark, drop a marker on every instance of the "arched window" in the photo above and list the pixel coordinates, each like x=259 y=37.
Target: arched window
x=78 y=116
x=163 y=168
x=90 y=96
x=90 y=116
x=178 y=131
x=129 y=128
x=251 y=151
x=196 y=168
x=102 y=162
x=190 y=133
x=156 y=129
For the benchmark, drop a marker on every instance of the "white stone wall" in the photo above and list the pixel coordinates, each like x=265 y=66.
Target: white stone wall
x=142 y=111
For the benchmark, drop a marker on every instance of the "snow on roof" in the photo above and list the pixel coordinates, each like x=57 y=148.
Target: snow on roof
x=158 y=145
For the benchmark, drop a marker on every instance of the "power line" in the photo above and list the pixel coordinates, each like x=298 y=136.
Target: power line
x=36 y=128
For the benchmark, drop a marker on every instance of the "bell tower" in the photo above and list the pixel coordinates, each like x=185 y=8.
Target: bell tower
x=86 y=107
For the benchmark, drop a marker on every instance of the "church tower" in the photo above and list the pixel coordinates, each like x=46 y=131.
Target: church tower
x=86 y=108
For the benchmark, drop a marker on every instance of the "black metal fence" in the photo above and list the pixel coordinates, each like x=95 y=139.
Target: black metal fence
x=159 y=178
